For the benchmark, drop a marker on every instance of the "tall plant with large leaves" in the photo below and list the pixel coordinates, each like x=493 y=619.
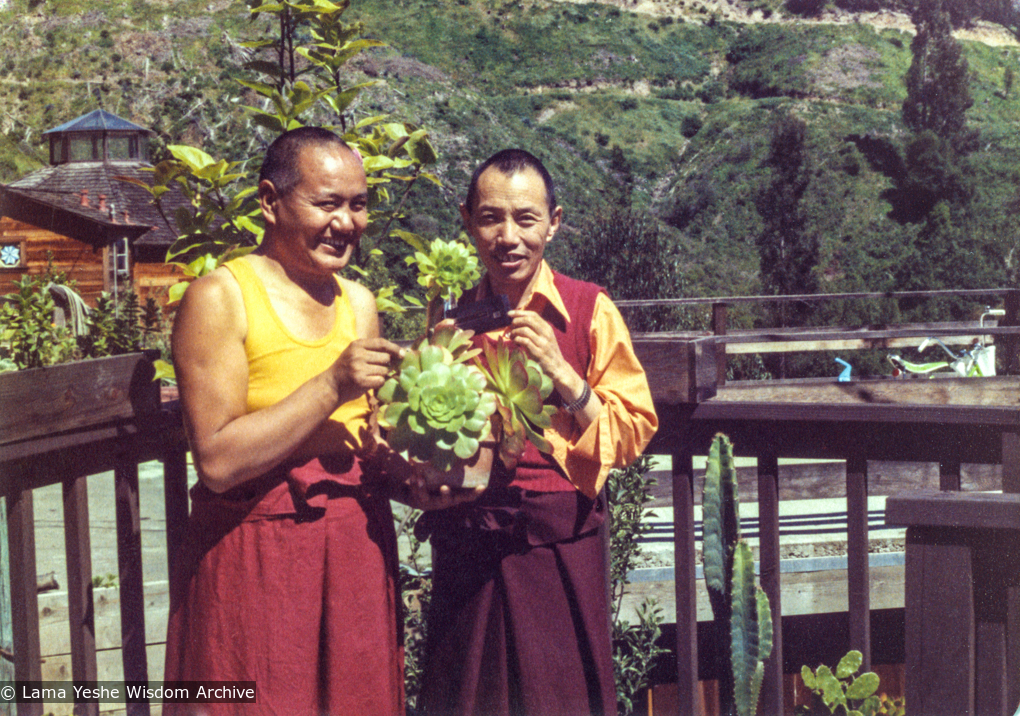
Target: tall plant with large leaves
x=300 y=77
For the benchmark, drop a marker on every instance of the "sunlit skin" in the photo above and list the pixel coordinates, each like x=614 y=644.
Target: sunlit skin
x=311 y=232
x=511 y=224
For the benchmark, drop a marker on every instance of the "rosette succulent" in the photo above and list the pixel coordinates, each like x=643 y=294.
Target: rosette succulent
x=445 y=268
x=437 y=408
x=520 y=388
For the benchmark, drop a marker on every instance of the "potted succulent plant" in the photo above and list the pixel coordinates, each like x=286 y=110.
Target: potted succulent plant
x=451 y=406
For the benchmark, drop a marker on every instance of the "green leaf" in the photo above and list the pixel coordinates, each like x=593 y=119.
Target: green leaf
x=831 y=687
x=176 y=292
x=265 y=67
x=415 y=241
x=164 y=371
x=849 y=664
x=193 y=157
x=268 y=121
x=420 y=149
x=377 y=163
x=863 y=686
x=370 y=120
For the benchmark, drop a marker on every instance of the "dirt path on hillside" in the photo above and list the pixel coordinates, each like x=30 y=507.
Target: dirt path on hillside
x=735 y=11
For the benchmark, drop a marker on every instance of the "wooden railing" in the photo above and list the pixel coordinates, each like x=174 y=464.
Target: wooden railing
x=788 y=340
x=949 y=421
x=60 y=425
x=978 y=421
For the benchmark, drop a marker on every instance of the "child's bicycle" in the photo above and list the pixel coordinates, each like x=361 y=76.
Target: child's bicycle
x=975 y=362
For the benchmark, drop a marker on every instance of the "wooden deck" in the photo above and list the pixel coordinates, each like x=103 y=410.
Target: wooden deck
x=973 y=420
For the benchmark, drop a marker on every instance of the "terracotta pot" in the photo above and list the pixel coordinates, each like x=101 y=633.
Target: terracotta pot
x=467 y=474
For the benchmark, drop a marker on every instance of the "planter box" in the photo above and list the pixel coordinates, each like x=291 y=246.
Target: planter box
x=71 y=396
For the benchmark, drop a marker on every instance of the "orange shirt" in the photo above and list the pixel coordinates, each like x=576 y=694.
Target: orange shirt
x=627 y=420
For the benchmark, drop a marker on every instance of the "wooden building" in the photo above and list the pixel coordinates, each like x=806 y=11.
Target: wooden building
x=103 y=232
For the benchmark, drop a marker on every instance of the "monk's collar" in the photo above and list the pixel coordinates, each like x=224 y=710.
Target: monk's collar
x=542 y=292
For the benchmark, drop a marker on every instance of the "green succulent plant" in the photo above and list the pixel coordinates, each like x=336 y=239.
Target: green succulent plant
x=841 y=692
x=520 y=388
x=445 y=268
x=437 y=409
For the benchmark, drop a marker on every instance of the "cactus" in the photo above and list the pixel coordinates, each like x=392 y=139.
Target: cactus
x=739 y=606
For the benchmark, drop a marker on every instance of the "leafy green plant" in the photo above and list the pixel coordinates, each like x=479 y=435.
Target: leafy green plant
x=100 y=581
x=28 y=335
x=740 y=608
x=445 y=268
x=635 y=646
x=843 y=693
x=222 y=219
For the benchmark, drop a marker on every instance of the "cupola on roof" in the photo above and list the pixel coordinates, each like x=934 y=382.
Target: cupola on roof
x=97 y=120
x=97 y=137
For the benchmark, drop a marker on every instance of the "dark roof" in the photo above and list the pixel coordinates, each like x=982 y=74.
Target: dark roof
x=98 y=120
x=61 y=187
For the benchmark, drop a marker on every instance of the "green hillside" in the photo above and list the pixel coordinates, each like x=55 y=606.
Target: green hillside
x=652 y=124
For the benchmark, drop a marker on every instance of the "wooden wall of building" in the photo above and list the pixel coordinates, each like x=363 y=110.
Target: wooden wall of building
x=155 y=279
x=82 y=263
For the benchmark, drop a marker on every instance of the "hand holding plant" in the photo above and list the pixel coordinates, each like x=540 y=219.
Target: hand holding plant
x=437 y=406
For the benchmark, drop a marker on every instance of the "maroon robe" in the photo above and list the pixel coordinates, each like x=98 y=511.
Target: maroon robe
x=290 y=582
x=519 y=621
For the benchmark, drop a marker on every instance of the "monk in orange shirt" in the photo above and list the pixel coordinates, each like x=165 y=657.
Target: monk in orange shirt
x=519 y=620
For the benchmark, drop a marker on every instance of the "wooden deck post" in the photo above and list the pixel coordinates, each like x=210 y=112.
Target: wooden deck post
x=719 y=311
x=6 y=626
x=24 y=600
x=129 y=560
x=858 y=572
x=962 y=583
x=80 y=614
x=688 y=695
x=768 y=530
x=1011 y=462
x=175 y=494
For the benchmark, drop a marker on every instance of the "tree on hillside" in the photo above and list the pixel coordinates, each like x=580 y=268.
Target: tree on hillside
x=938 y=81
x=628 y=251
x=787 y=250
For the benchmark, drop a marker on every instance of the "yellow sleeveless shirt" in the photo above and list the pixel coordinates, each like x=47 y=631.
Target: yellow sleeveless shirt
x=279 y=363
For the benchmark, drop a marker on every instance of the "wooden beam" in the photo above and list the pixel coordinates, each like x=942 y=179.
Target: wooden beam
x=80 y=612
x=24 y=600
x=69 y=396
x=858 y=569
x=768 y=529
x=129 y=562
x=939 y=607
x=688 y=693
x=1001 y=391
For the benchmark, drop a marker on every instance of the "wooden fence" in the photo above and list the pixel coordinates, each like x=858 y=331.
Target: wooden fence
x=60 y=425
x=66 y=428
x=949 y=421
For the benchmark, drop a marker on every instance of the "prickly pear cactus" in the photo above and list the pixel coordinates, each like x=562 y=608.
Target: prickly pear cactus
x=739 y=606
